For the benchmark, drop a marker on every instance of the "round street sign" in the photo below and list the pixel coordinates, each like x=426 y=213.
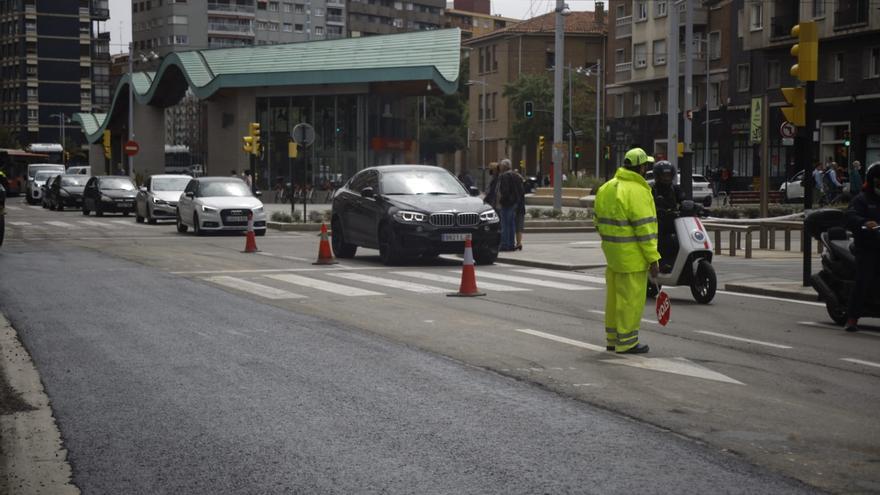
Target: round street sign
x=787 y=130
x=131 y=148
x=664 y=308
x=303 y=134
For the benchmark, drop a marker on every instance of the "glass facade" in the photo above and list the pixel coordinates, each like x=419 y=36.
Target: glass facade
x=351 y=132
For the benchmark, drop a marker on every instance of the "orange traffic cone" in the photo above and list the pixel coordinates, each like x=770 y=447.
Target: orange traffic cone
x=325 y=256
x=468 y=286
x=250 y=244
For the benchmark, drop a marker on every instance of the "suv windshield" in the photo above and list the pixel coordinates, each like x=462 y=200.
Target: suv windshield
x=235 y=188
x=121 y=184
x=170 y=184
x=421 y=182
x=74 y=181
x=42 y=176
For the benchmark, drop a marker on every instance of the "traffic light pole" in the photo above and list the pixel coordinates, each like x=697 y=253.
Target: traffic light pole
x=807 y=157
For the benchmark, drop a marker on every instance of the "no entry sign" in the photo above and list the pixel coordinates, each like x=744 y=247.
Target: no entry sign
x=131 y=148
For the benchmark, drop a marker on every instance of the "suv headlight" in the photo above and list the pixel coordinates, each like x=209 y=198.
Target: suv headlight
x=258 y=211
x=209 y=209
x=106 y=198
x=489 y=216
x=410 y=216
x=157 y=201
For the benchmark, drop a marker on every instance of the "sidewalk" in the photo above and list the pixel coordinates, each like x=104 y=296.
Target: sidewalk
x=585 y=253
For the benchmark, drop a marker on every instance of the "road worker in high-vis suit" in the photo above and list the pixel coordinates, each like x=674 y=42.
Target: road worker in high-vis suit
x=625 y=216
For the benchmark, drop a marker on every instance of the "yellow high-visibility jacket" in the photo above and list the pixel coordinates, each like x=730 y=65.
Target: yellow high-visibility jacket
x=625 y=216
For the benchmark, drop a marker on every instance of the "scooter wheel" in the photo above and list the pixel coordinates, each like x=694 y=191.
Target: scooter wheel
x=837 y=314
x=705 y=283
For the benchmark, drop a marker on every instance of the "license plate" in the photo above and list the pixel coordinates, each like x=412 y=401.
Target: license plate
x=236 y=218
x=453 y=237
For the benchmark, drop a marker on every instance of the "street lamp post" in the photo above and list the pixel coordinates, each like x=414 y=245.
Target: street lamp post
x=562 y=10
x=589 y=72
x=61 y=120
x=482 y=113
x=131 y=103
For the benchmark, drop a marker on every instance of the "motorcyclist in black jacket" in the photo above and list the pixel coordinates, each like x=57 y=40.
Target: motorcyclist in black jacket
x=862 y=218
x=667 y=199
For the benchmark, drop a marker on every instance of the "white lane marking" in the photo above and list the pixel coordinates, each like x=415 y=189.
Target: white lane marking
x=394 y=284
x=253 y=288
x=595 y=243
x=62 y=224
x=20 y=224
x=293 y=258
x=13 y=208
x=859 y=361
x=600 y=312
x=263 y=270
x=95 y=223
x=679 y=366
x=312 y=283
x=131 y=223
x=454 y=280
x=769 y=298
x=581 y=277
x=533 y=281
x=740 y=339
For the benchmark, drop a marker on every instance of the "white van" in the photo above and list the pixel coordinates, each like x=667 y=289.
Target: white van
x=32 y=189
x=79 y=170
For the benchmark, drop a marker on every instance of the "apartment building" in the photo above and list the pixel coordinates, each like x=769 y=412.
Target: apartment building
x=748 y=44
x=370 y=17
x=54 y=62
x=502 y=57
x=474 y=19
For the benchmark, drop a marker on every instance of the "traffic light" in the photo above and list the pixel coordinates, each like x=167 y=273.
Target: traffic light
x=106 y=143
x=292 y=149
x=797 y=112
x=530 y=112
x=806 y=50
x=254 y=132
x=248 y=144
x=577 y=151
x=540 y=142
x=846 y=140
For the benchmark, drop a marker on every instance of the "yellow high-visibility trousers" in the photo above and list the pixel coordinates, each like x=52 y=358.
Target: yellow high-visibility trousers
x=625 y=296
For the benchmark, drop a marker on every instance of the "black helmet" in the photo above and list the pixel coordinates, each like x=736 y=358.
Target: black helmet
x=872 y=173
x=664 y=173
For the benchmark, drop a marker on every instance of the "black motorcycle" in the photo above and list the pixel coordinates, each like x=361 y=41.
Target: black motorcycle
x=835 y=282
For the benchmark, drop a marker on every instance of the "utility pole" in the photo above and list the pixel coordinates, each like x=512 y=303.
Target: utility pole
x=687 y=161
x=598 y=105
x=131 y=104
x=672 y=92
x=561 y=11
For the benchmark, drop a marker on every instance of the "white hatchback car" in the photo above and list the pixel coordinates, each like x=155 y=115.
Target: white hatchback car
x=219 y=204
x=793 y=188
x=702 y=189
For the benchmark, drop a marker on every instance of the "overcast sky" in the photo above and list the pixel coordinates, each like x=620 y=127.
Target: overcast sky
x=119 y=24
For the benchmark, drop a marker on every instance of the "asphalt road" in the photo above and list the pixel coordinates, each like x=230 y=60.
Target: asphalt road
x=175 y=354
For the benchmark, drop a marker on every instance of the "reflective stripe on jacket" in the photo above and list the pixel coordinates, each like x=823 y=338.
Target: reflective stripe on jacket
x=626 y=219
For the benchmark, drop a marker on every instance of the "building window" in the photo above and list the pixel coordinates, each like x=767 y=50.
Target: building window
x=620 y=56
x=32 y=94
x=481 y=60
x=319 y=31
x=299 y=8
x=178 y=19
x=742 y=77
x=837 y=67
x=494 y=58
x=273 y=26
x=660 y=8
x=181 y=39
x=872 y=62
x=659 y=52
x=756 y=15
x=818 y=8
x=273 y=6
x=493 y=115
x=480 y=110
x=637 y=103
x=287 y=7
x=288 y=27
x=657 y=107
x=773 y=74
x=714 y=95
x=33 y=114
x=715 y=45
x=642 y=10
x=640 y=55
x=319 y=12
x=618 y=105
x=297 y=28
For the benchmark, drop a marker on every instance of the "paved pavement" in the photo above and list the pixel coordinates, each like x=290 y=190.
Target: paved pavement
x=585 y=253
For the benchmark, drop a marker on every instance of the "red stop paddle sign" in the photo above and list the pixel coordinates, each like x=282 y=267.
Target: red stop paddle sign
x=664 y=308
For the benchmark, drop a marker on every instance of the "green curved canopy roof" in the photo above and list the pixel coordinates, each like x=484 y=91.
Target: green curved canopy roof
x=424 y=55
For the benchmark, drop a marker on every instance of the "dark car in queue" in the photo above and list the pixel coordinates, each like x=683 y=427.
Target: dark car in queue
x=109 y=194
x=66 y=190
x=406 y=211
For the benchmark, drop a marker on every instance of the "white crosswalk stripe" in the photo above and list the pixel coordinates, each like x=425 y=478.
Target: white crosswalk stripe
x=62 y=224
x=581 y=277
x=457 y=280
x=95 y=223
x=531 y=281
x=130 y=223
x=342 y=290
x=13 y=208
x=395 y=284
x=21 y=224
x=253 y=288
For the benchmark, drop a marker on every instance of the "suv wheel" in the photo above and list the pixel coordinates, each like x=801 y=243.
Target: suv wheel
x=181 y=227
x=341 y=248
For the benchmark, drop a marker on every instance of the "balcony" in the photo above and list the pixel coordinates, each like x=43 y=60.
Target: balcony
x=623 y=27
x=230 y=28
x=230 y=8
x=335 y=18
x=780 y=26
x=851 y=14
x=623 y=72
x=701 y=16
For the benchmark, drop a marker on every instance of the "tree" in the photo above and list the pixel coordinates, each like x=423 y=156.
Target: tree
x=8 y=139
x=445 y=128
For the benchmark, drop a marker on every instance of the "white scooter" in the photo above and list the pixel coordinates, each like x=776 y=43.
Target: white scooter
x=693 y=262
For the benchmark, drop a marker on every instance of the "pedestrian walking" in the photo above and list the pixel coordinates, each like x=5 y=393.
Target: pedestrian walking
x=626 y=218
x=491 y=195
x=818 y=183
x=520 y=212
x=465 y=177
x=246 y=176
x=510 y=193
x=855 y=178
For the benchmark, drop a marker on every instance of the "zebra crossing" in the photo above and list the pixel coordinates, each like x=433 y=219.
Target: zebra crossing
x=351 y=283
x=72 y=225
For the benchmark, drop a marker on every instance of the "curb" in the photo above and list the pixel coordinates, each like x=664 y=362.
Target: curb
x=294 y=227
x=770 y=291
x=547 y=265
